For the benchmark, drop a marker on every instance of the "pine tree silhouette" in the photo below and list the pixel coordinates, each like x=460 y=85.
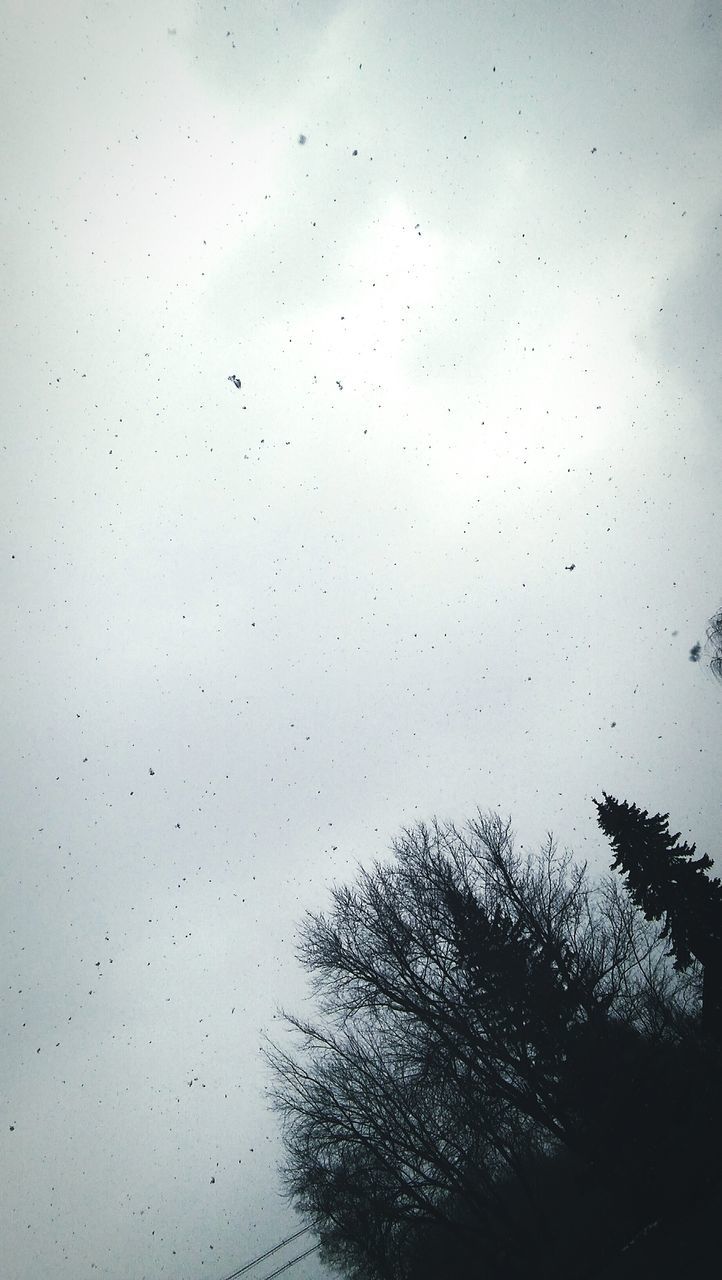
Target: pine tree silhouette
x=668 y=883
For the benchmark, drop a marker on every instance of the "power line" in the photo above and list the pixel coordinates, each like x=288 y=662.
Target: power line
x=262 y=1256
x=292 y=1263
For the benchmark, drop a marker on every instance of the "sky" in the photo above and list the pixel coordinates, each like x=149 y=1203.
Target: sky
x=447 y=546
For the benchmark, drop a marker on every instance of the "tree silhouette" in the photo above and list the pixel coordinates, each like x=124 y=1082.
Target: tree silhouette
x=714 y=638
x=465 y=994
x=668 y=883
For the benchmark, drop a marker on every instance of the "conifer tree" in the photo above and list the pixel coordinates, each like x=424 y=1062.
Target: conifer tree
x=668 y=883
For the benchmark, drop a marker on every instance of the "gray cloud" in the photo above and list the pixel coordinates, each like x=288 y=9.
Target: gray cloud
x=319 y=612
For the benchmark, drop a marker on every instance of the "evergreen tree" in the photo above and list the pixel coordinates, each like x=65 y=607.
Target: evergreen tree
x=668 y=883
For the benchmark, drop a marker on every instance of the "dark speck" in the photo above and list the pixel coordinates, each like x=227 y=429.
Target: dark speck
x=151 y=772
x=695 y=651
x=570 y=567
x=236 y=381
x=301 y=139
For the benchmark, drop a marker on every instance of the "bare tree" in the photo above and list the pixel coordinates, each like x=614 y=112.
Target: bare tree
x=714 y=639
x=454 y=985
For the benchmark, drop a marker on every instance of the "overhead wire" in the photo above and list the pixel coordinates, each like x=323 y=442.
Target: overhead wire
x=262 y=1256
x=291 y=1263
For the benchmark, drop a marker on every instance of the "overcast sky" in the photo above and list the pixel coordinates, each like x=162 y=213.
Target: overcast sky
x=251 y=632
